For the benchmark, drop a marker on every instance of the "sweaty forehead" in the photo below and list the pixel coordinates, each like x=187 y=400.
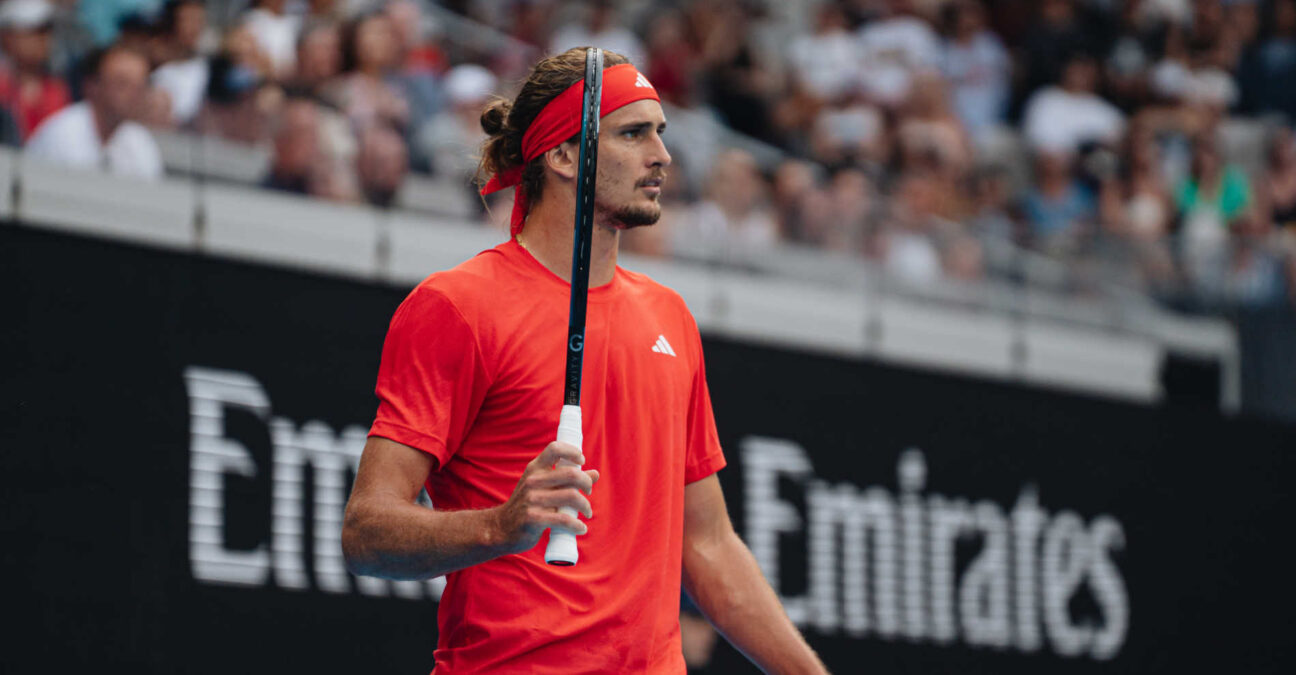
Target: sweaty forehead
x=646 y=110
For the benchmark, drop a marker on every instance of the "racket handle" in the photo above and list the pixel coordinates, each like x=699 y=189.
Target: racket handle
x=562 y=549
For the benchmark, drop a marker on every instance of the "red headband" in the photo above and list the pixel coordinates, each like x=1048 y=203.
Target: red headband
x=559 y=120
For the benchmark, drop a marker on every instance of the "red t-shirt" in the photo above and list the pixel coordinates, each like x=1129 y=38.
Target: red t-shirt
x=31 y=108
x=472 y=373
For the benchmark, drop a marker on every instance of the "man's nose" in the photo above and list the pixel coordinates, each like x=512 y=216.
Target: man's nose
x=660 y=155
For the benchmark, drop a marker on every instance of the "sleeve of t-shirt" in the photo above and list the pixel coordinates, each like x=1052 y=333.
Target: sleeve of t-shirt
x=705 y=456
x=432 y=379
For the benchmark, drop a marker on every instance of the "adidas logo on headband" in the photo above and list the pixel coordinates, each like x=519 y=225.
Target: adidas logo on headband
x=642 y=81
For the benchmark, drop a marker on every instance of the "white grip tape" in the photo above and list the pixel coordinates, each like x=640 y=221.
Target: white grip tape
x=562 y=542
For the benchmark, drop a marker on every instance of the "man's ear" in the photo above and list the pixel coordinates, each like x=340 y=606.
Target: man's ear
x=563 y=160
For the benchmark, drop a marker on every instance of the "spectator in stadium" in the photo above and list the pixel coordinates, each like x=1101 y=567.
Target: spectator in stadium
x=28 y=90
x=1051 y=42
x=1267 y=73
x=1253 y=273
x=100 y=132
x=528 y=21
x=843 y=224
x=1218 y=191
x=1208 y=201
x=240 y=46
x=672 y=59
x=1058 y=209
x=137 y=31
x=1208 y=35
x=822 y=78
x=240 y=103
x=319 y=59
x=1146 y=210
x=929 y=134
x=296 y=147
x=183 y=72
x=977 y=67
x=824 y=63
x=599 y=25
x=1063 y=117
x=381 y=165
x=737 y=80
x=794 y=191
x=419 y=64
x=852 y=132
x=334 y=181
x=1131 y=53
x=904 y=242
x=450 y=139
x=1280 y=178
x=363 y=93
x=275 y=32
x=1242 y=22
x=991 y=214
x=733 y=223
x=326 y=11
x=893 y=48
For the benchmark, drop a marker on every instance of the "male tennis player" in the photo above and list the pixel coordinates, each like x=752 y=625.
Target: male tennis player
x=470 y=388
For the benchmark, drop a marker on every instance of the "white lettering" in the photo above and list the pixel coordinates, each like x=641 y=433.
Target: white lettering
x=1028 y=519
x=1065 y=560
x=912 y=476
x=983 y=598
x=767 y=516
x=887 y=565
x=212 y=455
x=949 y=519
x=1106 y=534
x=329 y=455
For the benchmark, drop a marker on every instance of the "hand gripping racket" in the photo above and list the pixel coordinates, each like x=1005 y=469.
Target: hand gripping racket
x=562 y=542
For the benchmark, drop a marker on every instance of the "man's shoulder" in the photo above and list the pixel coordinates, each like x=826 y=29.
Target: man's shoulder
x=135 y=133
x=646 y=287
x=471 y=282
x=66 y=124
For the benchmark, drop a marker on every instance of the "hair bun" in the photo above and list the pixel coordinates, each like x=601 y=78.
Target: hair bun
x=494 y=117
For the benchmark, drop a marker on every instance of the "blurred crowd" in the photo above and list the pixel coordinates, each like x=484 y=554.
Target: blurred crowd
x=1144 y=143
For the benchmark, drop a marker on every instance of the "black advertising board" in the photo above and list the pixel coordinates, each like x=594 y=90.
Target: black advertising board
x=179 y=434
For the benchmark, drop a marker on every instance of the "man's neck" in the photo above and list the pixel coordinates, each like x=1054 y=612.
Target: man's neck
x=103 y=125
x=176 y=51
x=548 y=237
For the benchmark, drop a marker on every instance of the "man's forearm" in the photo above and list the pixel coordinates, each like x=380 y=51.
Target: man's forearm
x=724 y=580
x=400 y=540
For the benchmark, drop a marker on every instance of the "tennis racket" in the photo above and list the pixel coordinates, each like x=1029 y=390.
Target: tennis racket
x=562 y=548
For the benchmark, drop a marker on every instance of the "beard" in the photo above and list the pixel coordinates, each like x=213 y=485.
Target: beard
x=630 y=217
x=638 y=216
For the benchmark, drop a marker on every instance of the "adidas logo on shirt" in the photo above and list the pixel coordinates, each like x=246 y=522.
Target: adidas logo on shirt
x=662 y=346
x=642 y=81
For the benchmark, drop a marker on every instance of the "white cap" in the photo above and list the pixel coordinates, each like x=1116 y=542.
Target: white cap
x=469 y=83
x=25 y=14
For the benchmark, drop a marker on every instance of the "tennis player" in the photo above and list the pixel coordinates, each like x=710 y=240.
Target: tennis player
x=470 y=387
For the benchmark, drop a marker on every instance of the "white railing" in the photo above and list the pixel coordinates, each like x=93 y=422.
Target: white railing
x=1007 y=333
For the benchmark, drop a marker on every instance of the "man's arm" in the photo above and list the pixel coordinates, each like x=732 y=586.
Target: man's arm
x=386 y=533
x=722 y=577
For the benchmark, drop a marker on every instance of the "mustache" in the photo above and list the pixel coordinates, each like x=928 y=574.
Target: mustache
x=656 y=176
